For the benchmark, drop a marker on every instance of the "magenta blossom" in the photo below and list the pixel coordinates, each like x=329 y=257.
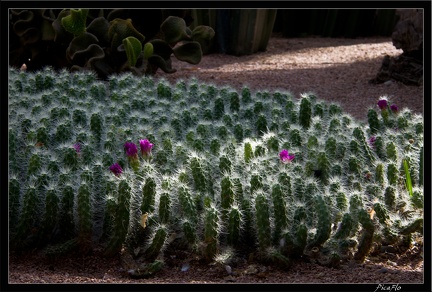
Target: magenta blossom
x=382 y=103
x=372 y=141
x=285 y=157
x=77 y=147
x=394 y=108
x=116 y=169
x=131 y=149
x=146 y=147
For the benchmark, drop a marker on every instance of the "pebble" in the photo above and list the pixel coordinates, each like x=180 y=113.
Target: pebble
x=383 y=270
x=185 y=267
x=388 y=249
x=229 y=278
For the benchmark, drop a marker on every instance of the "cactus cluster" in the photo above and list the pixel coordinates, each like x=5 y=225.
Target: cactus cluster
x=135 y=162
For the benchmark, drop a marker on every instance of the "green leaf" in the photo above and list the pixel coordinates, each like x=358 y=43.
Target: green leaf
x=148 y=50
x=408 y=177
x=75 y=22
x=189 y=52
x=133 y=48
x=159 y=62
x=202 y=33
x=174 y=29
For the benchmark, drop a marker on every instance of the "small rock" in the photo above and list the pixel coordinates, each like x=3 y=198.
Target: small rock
x=389 y=82
x=229 y=278
x=383 y=270
x=251 y=270
x=388 y=249
x=185 y=267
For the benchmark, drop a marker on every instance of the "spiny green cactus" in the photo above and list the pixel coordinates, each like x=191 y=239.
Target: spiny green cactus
x=148 y=196
x=51 y=212
x=227 y=196
x=262 y=221
x=392 y=174
x=198 y=174
x=366 y=240
x=66 y=212
x=234 y=225
x=391 y=151
x=211 y=232
x=227 y=185
x=164 y=208
x=305 y=113
x=345 y=227
x=121 y=218
x=14 y=201
x=280 y=212
x=359 y=135
x=157 y=242
x=324 y=222
x=96 y=125
x=28 y=220
x=85 y=222
x=373 y=121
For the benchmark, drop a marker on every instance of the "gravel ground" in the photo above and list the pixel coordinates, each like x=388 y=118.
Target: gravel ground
x=334 y=69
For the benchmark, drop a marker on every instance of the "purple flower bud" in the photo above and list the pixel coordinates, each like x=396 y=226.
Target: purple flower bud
x=372 y=141
x=116 y=169
x=382 y=103
x=285 y=157
x=77 y=147
x=394 y=108
x=131 y=149
x=146 y=147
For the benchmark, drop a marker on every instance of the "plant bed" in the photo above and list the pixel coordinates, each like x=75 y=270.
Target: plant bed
x=219 y=170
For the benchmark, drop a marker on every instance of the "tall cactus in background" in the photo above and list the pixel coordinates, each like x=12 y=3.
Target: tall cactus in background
x=305 y=113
